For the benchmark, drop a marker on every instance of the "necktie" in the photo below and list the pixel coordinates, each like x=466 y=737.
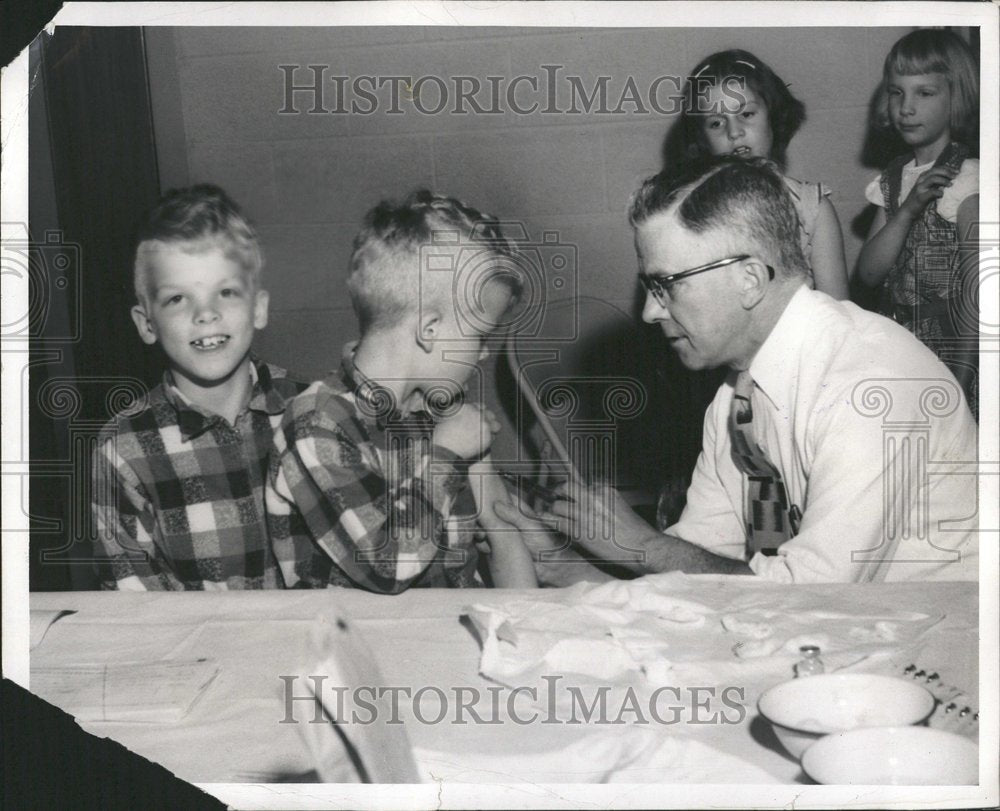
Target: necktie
x=765 y=502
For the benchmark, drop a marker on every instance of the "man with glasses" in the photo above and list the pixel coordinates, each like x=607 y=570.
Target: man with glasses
x=839 y=448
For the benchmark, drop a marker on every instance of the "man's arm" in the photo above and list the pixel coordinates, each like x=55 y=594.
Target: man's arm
x=632 y=543
x=607 y=529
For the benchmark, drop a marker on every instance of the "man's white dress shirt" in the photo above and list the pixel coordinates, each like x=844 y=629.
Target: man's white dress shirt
x=874 y=440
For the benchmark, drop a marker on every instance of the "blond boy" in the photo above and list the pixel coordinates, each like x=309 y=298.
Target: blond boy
x=369 y=463
x=179 y=477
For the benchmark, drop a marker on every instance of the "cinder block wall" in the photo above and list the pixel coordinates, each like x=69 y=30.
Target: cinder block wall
x=307 y=179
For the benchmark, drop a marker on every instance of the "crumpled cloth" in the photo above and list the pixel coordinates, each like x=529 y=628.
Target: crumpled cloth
x=644 y=633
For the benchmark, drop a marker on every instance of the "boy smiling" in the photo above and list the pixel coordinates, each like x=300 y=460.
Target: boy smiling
x=179 y=476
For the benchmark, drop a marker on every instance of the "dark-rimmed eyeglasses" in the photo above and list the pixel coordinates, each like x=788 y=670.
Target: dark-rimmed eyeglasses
x=656 y=285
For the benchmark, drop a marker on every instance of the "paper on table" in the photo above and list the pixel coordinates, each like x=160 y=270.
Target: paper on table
x=40 y=622
x=156 y=692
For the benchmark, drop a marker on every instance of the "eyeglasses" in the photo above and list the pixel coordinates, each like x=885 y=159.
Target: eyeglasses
x=657 y=285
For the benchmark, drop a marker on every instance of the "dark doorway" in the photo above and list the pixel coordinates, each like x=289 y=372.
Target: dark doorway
x=92 y=165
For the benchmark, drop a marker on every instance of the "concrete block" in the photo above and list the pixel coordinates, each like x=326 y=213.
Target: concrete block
x=522 y=172
x=339 y=179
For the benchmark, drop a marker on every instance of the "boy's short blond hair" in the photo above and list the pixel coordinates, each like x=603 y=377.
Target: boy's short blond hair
x=196 y=219
x=386 y=281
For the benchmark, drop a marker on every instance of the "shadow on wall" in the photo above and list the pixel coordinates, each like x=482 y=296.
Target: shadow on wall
x=618 y=384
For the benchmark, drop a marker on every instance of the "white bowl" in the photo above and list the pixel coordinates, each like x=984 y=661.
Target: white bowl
x=803 y=710
x=893 y=756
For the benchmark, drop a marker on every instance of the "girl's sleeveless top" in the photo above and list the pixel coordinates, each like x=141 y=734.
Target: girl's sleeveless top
x=807 y=197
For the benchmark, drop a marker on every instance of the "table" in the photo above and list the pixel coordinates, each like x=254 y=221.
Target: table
x=235 y=734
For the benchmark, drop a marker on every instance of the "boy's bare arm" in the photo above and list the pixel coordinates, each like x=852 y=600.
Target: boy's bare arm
x=510 y=559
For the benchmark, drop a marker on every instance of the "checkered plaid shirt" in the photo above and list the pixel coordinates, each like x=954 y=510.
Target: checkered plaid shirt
x=354 y=499
x=178 y=497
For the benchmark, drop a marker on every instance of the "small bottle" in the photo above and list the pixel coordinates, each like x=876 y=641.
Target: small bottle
x=810 y=664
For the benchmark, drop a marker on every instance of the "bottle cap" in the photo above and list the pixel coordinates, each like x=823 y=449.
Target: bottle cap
x=807 y=650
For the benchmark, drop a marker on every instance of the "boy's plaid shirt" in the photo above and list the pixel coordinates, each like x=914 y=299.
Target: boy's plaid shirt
x=359 y=500
x=178 y=496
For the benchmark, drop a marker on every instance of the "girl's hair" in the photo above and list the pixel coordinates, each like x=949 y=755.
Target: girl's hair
x=936 y=50
x=733 y=70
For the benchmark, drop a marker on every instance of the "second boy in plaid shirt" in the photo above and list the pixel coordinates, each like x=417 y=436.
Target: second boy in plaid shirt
x=363 y=481
x=179 y=477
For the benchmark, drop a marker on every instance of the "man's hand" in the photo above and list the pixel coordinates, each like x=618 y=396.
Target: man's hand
x=469 y=432
x=597 y=519
x=555 y=562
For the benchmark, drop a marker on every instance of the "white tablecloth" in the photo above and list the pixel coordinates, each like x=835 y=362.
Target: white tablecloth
x=235 y=733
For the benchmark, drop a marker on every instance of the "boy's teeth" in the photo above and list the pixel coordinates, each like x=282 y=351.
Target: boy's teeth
x=211 y=342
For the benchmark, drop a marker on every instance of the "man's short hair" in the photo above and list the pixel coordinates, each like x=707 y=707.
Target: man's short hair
x=386 y=280
x=747 y=198
x=196 y=219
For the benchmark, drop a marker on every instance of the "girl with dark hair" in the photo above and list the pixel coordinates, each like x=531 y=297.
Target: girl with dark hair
x=736 y=105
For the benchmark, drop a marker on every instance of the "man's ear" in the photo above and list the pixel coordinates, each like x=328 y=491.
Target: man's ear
x=260 y=304
x=753 y=282
x=428 y=329
x=143 y=324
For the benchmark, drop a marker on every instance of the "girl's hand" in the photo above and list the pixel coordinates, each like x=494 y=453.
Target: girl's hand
x=929 y=186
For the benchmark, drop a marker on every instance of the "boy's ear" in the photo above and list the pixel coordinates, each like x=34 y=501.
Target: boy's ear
x=261 y=301
x=143 y=324
x=428 y=328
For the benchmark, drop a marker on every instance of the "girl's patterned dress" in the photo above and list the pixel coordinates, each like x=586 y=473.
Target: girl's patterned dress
x=923 y=290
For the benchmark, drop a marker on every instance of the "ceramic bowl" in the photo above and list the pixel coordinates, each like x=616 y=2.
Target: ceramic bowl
x=803 y=710
x=893 y=756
